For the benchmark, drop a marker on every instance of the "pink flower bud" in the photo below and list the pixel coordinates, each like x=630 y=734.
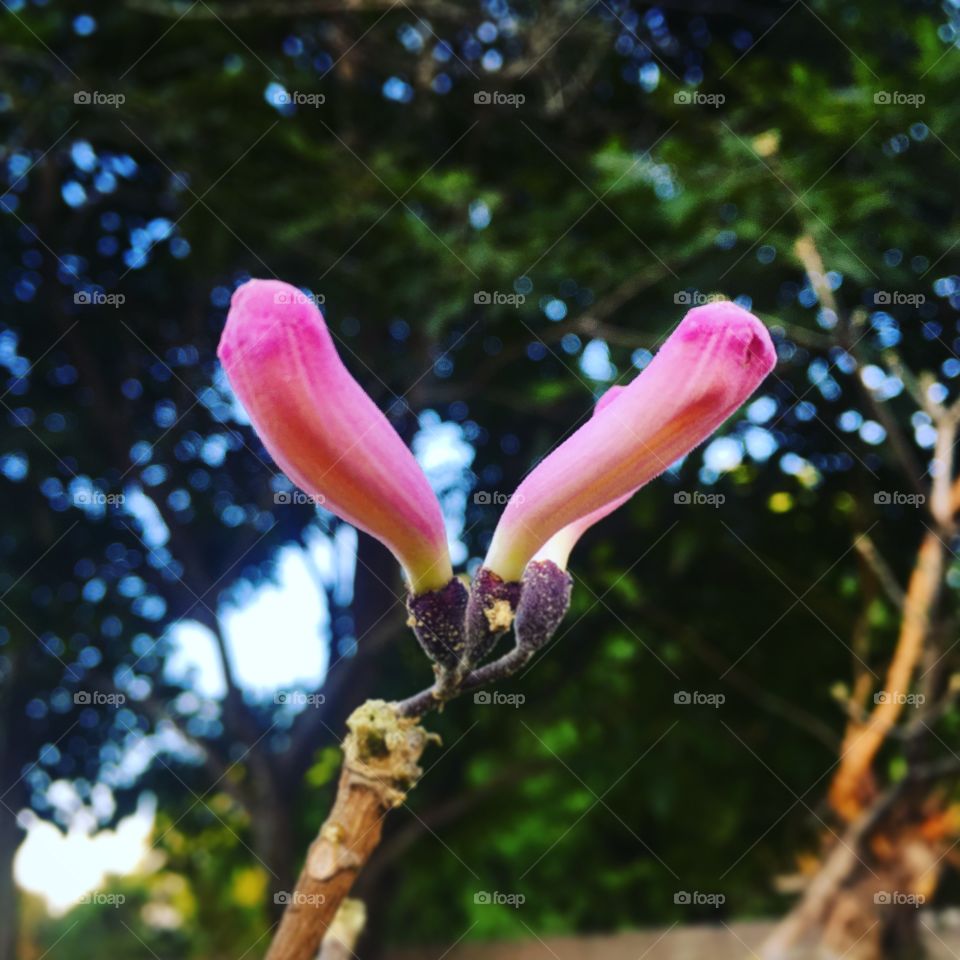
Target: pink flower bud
x=323 y=430
x=711 y=363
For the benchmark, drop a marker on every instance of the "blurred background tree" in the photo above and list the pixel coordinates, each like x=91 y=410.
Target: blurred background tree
x=609 y=163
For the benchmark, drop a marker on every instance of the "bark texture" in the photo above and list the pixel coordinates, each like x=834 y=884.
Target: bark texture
x=10 y=837
x=853 y=784
x=381 y=763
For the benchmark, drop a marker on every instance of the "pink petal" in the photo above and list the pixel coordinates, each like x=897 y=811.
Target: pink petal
x=323 y=430
x=611 y=394
x=559 y=547
x=713 y=361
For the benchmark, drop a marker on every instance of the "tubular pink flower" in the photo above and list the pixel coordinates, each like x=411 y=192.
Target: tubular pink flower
x=323 y=430
x=711 y=363
x=559 y=547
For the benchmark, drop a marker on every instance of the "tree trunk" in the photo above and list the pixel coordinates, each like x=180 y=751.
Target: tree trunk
x=13 y=797
x=863 y=902
x=10 y=837
x=275 y=846
x=283 y=860
x=877 y=918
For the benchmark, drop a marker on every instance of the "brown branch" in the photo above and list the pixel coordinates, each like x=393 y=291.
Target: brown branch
x=849 y=326
x=380 y=765
x=807 y=253
x=904 y=453
x=434 y=697
x=863 y=677
x=941 y=494
x=381 y=754
x=801 y=335
x=288 y=8
x=566 y=93
x=217 y=764
x=867 y=549
x=842 y=861
x=853 y=786
x=955 y=495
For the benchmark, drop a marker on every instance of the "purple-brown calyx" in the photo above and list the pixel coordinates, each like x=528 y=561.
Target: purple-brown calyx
x=490 y=613
x=544 y=601
x=437 y=619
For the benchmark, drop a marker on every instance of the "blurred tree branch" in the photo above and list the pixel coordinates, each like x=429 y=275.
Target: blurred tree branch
x=758 y=693
x=289 y=8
